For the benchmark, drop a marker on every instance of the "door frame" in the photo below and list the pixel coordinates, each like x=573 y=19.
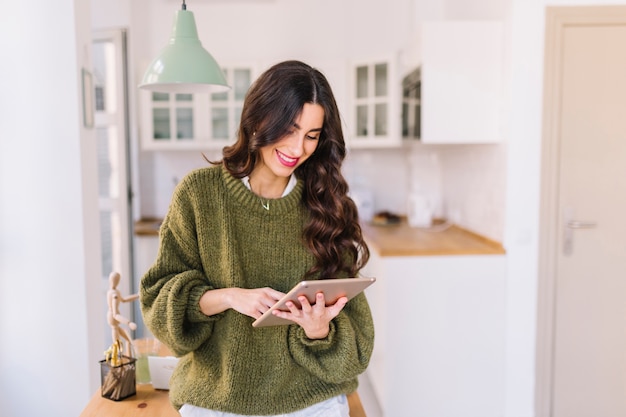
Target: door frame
x=557 y=20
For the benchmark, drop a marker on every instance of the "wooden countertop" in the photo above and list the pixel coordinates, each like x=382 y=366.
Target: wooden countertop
x=398 y=239
x=441 y=239
x=148 y=226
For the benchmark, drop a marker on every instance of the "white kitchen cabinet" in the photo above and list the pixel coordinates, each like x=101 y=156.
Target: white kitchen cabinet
x=439 y=347
x=196 y=121
x=461 y=65
x=374 y=104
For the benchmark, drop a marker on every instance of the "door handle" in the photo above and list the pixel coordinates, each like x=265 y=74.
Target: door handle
x=568 y=230
x=577 y=224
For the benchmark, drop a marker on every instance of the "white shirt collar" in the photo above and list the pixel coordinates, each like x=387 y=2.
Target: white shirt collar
x=290 y=185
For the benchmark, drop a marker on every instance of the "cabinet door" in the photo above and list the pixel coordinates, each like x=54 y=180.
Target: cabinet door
x=374 y=95
x=225 y=108
x=171 y=120
x=440 y=335
x=195 y=121
x=461 y=81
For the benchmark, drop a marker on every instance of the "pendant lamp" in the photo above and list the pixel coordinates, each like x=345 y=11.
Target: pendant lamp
x=183 y=65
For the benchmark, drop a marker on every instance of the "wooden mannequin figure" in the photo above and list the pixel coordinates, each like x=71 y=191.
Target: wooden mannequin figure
x=114 y=318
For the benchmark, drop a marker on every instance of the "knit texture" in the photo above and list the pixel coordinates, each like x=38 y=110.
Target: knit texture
x=217 y=235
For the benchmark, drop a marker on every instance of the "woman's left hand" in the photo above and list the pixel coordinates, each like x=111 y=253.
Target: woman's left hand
x=314 y=319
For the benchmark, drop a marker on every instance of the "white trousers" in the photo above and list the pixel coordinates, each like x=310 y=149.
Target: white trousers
x=333 y=407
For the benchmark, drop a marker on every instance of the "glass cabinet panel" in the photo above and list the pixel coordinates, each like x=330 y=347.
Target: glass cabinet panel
x=381 y=80
x=160 y=97
x=380 y=119
x=184 y=97
x=361 y=82
x=219 y=118
x=184 y=123
x=411 y=105
x=405 y=119
x=361 y=120
x=161 y=123
x=417 y=118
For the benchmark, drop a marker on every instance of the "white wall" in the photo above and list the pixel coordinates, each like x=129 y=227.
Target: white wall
x=474 y=185
x=49 y=233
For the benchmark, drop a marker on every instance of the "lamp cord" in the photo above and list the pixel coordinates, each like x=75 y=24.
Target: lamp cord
x=184 y=5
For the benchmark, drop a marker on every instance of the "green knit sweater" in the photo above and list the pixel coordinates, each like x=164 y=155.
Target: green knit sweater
x=217 y=235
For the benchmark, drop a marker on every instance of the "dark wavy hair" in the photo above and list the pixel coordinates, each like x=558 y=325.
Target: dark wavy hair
x=273 y=102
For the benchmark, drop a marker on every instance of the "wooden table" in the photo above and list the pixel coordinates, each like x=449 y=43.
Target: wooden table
x=148 y=402
x=155 y=403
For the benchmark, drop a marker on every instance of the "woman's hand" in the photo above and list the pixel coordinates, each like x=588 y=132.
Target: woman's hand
x=251 y=302
x=314 y=319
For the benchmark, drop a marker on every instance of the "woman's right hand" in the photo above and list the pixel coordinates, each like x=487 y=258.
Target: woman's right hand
x=251 y=302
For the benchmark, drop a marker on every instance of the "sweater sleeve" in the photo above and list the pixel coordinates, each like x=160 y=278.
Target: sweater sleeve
x=171 y=289
x=345 y=352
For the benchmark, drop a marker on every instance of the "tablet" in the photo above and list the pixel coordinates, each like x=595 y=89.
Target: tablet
x=333 y=289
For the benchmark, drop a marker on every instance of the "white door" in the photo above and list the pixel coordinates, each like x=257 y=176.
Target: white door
x=111 y=125
x=589 y=245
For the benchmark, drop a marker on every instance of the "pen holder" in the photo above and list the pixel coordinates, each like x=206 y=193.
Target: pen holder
x=118 y=381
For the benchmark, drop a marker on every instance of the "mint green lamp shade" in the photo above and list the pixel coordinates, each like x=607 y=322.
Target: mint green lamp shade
x=184 y=66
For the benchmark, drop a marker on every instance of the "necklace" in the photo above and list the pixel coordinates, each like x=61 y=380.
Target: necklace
x=265 y=204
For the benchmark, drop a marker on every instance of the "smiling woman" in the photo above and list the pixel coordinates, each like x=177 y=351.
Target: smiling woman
x=238 y=236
